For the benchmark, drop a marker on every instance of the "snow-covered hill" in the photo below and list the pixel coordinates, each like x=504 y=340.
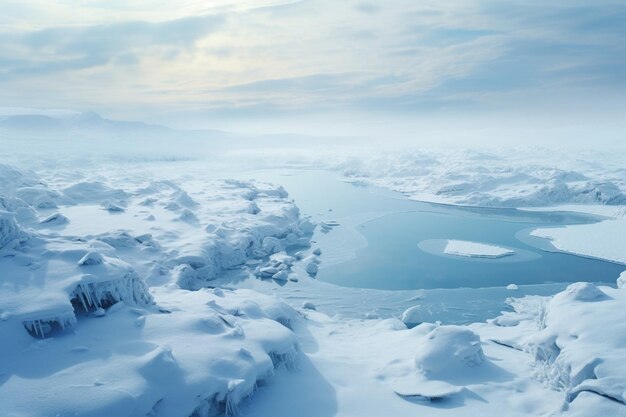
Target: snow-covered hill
x=496 y=178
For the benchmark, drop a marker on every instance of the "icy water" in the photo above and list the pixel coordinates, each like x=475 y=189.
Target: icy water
x=385 y=241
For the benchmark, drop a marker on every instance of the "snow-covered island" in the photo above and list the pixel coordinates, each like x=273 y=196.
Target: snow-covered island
x=471 y=249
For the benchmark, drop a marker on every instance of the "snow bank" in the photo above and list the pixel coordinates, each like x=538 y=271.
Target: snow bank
x=12 y=236
x=556 y=356
x=93 y=192
x=14 y=179
x=55 y=219
x=577 y=342
x=412 y=316
x=475 y=249
x=447 y=351
x=199 y=353
x=66 y=284
x=379 y=367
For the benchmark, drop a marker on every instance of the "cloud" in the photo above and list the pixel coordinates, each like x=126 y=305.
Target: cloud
x=367 y=8
x=70 y=48
x=298 y=85
x=312 y=54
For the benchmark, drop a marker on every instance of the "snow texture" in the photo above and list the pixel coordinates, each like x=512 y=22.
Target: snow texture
x=505 y=178
x=576 y=341
x=90 y=337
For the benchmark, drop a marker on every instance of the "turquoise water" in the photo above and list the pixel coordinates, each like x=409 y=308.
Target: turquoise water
x=400 y=253
x=393 y=259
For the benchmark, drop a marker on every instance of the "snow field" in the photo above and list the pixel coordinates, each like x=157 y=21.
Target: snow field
x=95 y=297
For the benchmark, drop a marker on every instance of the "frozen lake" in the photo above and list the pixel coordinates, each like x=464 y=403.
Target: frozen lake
x=385 y=241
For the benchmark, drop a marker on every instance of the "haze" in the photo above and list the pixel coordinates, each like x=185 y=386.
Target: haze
x=469 y=70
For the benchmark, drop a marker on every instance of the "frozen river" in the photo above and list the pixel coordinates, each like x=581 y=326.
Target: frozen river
x=379 y=239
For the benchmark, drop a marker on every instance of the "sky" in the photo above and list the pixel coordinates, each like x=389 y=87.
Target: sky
x=310 y=64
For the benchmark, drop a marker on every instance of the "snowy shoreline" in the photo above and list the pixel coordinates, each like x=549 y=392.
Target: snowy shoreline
x=491 y=178
x=602 y=240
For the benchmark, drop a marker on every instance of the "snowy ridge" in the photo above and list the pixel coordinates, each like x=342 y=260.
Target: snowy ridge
x=504 y=178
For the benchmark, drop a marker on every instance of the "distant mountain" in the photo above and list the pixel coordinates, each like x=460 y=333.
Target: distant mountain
x=79 y=123
x=92 y=120
x=24 y=125
x=30 y=123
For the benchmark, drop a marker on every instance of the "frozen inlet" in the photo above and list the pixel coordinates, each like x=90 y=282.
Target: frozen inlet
x=92 y=295
x=44 y=327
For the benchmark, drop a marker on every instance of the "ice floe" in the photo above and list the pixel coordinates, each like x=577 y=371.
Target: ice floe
x=475 y=249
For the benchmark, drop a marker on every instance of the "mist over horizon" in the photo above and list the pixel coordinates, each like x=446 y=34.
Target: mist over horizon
x=477 y=131
x=463 y=73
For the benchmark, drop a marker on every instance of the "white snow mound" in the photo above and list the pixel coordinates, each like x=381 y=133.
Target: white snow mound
x=447 y=351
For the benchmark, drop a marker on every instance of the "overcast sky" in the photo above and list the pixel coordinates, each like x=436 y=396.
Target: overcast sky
x=217 y=62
